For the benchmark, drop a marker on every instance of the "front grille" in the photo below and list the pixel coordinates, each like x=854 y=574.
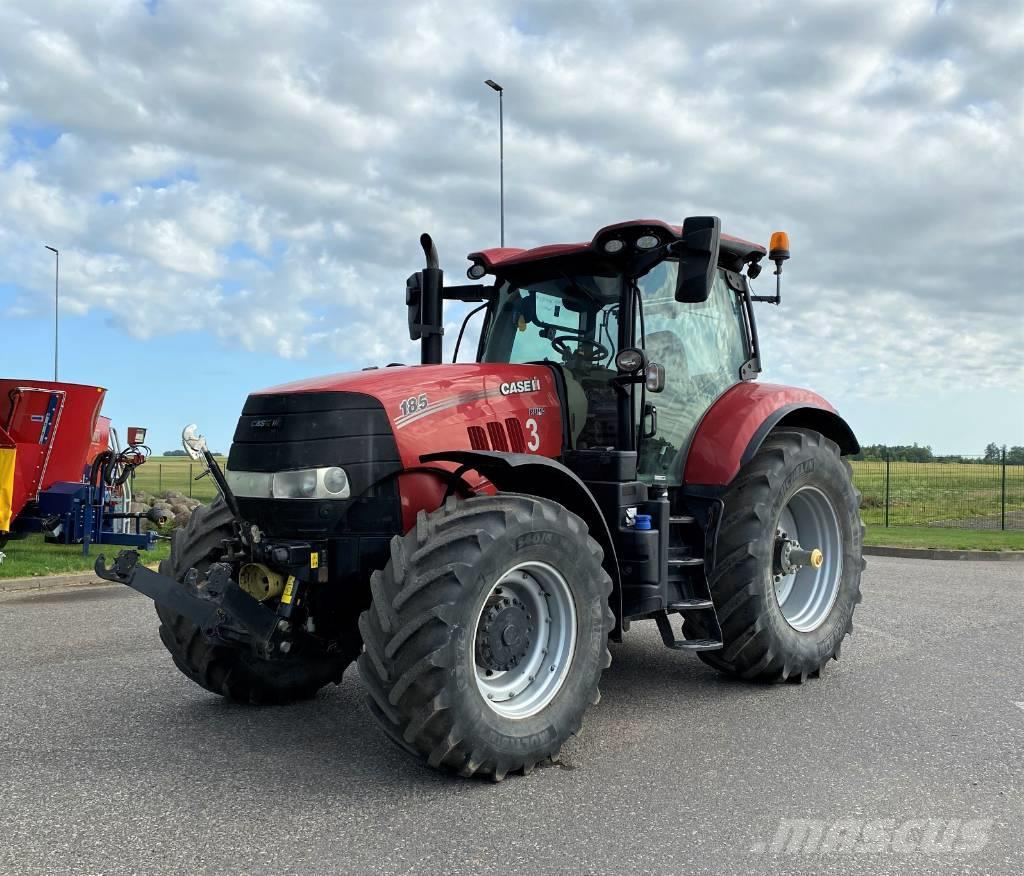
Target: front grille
x=308 y=429
x=284 y=431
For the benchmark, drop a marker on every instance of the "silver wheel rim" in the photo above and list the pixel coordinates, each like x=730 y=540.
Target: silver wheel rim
x=528 y=687
x=806 y=596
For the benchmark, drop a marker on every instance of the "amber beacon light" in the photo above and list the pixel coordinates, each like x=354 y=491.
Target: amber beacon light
x=778 y=252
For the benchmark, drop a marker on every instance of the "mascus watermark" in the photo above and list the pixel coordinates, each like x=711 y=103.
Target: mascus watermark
x=919 y=836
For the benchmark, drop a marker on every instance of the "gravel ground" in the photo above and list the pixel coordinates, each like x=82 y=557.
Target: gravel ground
x=906 y=756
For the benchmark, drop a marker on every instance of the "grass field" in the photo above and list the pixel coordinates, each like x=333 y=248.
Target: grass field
x=931 y=505
x=31 y=557
x=944 y=538
x=175 y=473
x=955 y=495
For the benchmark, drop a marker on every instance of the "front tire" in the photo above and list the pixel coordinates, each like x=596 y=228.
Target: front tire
x=778 y=627
x=232 y=672
x=488 y=634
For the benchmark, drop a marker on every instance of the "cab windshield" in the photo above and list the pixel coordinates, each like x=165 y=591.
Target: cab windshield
x=570 y=320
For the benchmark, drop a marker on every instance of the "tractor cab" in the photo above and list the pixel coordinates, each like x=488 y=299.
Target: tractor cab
x=645 y=327
x=690 y=353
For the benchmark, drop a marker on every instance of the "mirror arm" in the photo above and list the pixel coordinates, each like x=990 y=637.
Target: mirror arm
x=772 y=299
x=470 y=292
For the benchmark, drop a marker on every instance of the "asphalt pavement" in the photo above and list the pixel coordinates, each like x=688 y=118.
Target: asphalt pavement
x=907 y=756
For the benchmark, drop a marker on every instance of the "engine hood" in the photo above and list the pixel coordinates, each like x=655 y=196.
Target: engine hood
x=480 y=406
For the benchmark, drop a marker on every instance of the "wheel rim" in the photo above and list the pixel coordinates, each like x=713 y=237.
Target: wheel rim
x=806 y=595
x=537 y=595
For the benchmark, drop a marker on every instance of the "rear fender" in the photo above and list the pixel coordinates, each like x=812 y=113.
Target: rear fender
x=736 y=425
x=549 y=479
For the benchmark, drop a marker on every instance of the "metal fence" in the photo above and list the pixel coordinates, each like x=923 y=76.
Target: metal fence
x=963 y=492
x=160 y=474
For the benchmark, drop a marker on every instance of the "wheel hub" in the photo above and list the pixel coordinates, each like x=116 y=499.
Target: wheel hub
x=790 y=556
x=525 y=638
x=504 y=634
x=807 y=561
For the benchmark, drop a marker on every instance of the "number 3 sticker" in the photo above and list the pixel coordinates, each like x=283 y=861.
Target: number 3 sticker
x=531 y=427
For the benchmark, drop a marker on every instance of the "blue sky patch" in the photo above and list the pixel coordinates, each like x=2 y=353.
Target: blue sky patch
x=28 y=140
x=185 y=174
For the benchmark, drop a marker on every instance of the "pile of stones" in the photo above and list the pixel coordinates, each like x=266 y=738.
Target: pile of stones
x=177 y=506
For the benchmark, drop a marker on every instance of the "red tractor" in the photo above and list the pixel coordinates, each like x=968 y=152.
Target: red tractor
x=475 y=534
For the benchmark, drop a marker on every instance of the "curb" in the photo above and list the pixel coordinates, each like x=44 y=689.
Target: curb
x=52 y=582
x=48 y=582
x=937 y=554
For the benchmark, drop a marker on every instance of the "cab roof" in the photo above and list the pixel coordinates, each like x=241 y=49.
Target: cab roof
x=733 y=251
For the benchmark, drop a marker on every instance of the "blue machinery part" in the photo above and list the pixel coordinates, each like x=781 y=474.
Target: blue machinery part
x=70 y=513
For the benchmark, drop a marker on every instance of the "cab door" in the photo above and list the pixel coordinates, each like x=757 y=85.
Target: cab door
x=703 y=348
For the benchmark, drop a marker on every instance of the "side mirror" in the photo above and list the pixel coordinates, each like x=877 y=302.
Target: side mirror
x=193 y=442
x=698 y=258
x=414 y=301
x=424 y=293
x=654 y=377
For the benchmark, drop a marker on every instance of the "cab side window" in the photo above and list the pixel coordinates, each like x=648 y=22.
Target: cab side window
x=702 y=346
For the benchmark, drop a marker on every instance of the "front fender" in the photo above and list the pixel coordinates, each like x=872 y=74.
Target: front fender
x=735 y=426
x=548 y=478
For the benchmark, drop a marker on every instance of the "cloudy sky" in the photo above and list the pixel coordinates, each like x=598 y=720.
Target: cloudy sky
x=237 y=188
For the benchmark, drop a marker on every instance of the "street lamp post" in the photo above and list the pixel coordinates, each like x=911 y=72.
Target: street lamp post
x=501 y=150
x=56 y=305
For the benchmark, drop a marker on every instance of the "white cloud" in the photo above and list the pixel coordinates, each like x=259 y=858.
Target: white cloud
x=322 y=138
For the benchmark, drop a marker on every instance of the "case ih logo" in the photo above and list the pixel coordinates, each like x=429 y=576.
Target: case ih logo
x=264 y=423
x=531 y=385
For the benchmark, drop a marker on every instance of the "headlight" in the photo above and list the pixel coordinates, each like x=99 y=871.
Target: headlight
x=336 y=481
x=330 y=482
x=647 y=241
x=252 y=484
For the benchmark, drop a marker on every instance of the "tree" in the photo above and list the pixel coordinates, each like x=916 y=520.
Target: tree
x=993 y=453
x=1015 y=455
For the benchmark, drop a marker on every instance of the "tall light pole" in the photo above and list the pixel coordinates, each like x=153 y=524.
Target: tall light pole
x=501 y=149
x=56 y=304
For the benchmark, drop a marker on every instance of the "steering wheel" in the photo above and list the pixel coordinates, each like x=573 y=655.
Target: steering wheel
x=591 y=352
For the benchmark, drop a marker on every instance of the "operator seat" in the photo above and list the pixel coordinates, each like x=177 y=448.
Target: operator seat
x=576 y=400
x=676 y=401
x=666 y=349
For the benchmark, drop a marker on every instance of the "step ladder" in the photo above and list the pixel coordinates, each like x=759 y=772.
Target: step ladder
x=696 y=606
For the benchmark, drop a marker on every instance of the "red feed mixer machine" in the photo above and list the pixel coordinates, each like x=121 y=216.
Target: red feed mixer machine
x=63 y=471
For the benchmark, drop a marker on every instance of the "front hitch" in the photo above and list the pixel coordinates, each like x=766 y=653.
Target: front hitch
x=213 y=602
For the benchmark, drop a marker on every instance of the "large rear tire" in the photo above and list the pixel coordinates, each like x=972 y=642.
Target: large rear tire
x=230 y=672
x=488 y=634
x=778 y=627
